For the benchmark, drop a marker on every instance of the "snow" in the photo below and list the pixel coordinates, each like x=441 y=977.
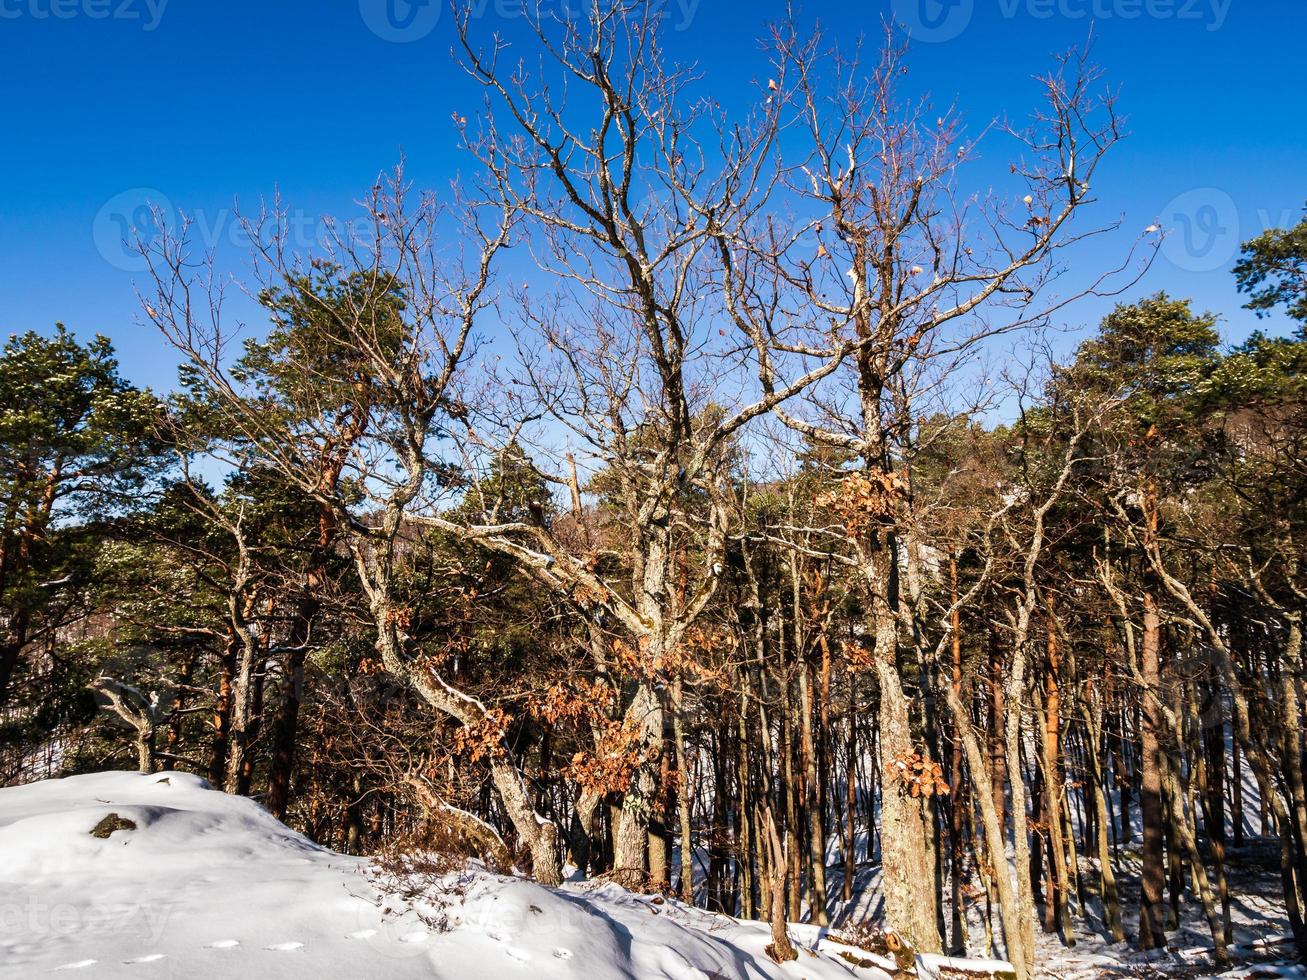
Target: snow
x=210 y=886
x=1262 y=938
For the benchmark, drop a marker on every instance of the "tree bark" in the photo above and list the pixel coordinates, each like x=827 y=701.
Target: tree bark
x=781 y=949
x=631 y=831
x=1152 y=918
x=812 y=802
x=906 y=873
x=684 y=798
x=1107 y=876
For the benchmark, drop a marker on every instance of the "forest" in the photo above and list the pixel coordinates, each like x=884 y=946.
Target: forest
x=722 y=506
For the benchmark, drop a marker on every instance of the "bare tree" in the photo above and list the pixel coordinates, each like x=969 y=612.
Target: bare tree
x=917 y=281
x=629 y=357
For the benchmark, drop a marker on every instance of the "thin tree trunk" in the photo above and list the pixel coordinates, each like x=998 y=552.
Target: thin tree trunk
x=851 y=796
x=957 y=937
x=748 y=828
x=285 y=734
x=221 y=741
x=997 y=712
x=781 y=949
x=1152 y=918
x=1011 y=912
x=1181 y=829
x=812 y=803
x=683 y=799
x=1236 y=794
x=1055 y=781
x=1107 y=876
x=794 y=874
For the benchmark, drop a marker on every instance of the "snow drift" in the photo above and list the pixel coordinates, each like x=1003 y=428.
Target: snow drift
x=180 y=880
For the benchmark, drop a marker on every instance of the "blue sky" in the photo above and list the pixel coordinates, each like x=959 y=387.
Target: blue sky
x=203 y=103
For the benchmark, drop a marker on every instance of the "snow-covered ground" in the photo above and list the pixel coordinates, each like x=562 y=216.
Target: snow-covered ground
x=205 y=885
x=208 y=885
x=1262 y=948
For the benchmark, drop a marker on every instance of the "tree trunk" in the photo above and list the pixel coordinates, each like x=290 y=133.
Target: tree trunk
x=1055 y=781
x=1181 y=829
x=1010 y=909
x=907 y=878
x=812 y=803
x=1152 y=917
x=538 y=834
x=793 y=873
x=222 y=712
x=145 y=751
x=997 y=714
x=242 y=691
x=751 y=840
x=285 y=733
x=781 y=949
x=957 y=938
x=631 y=831
x=684 y=799
x=1024 y=933
x=851 y=796
x=581 y=838
x=1107 y=876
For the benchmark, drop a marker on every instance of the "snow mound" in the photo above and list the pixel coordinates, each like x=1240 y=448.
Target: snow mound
x=190 y=882
x=45 y=828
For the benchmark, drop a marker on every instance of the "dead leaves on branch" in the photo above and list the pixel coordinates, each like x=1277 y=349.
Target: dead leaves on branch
x=483 y=738
x=587 y=598
x=621 y=745
x=399 y=617
x=917 y=775
x=580 y=700
x=620 y=750
x=864 y=500
x=701 y=657
x=858 y=656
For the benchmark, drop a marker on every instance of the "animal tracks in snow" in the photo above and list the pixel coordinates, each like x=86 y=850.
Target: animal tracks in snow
x=501 y=935
x=273 y=947
x=286 y=947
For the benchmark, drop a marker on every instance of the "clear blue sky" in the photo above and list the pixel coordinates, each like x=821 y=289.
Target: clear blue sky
x=204 y=102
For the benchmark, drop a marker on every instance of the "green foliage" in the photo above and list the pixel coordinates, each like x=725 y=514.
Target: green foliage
x=71 y=427
x=1273 y=272
x=1155 y=356
x=1263 y=370
x=78 y=444
x=513 y=491
x=310 y=359
x=308 y=390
